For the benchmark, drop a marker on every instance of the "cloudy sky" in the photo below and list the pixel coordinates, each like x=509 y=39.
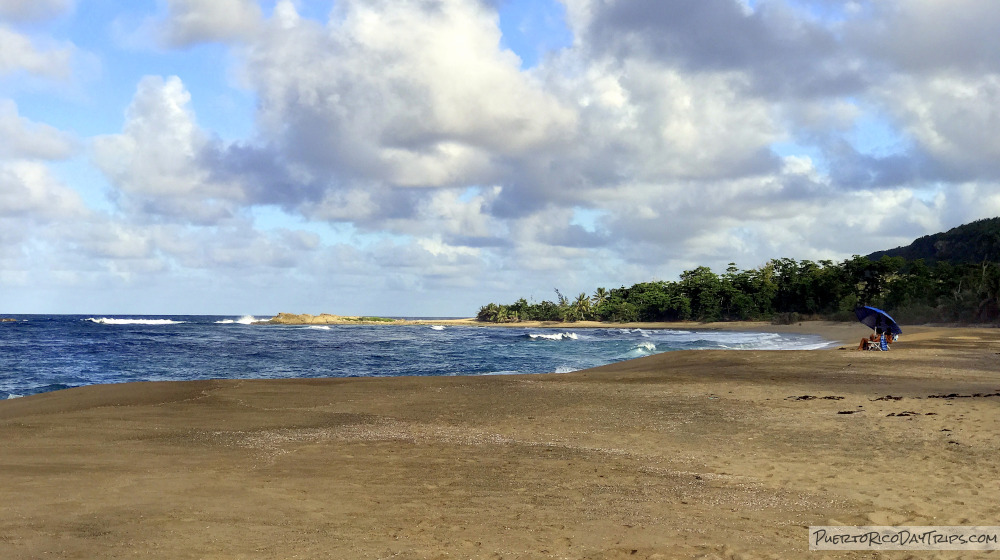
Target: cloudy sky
x=425 y=157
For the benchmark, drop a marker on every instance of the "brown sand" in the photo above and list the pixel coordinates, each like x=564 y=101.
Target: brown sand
x=710 y=454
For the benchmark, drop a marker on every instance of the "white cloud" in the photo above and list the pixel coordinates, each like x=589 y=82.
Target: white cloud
x=156 y=162
x=39 y=57
x=954 y=118
x=28 y=190
x=672 y=125
x=189 y=22
x=409 y=93
x=21 y=138
x=36 y=212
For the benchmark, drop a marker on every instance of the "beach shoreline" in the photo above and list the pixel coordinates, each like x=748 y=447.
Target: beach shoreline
x=800 y=327
x=838 y=332
x=712 y=454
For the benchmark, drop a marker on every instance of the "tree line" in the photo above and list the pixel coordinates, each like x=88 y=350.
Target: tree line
x=785 y=290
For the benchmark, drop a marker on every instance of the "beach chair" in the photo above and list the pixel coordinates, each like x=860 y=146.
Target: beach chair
x=881 y=345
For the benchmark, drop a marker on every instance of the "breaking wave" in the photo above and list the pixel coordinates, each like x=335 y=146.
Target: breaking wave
x=555 y=336
x=244 y=320
x=113 y=321
x=640 y=350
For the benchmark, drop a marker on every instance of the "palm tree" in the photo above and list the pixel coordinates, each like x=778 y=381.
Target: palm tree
x=582 y=306
x=502 y=315
x=600 y=296
x=488 y=313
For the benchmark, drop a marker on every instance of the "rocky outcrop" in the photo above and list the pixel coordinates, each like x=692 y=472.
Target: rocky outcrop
x=323 y=319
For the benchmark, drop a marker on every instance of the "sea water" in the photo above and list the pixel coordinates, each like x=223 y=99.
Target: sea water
x=46 y=353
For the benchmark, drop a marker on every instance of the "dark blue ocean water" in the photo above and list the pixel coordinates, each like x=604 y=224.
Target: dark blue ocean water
x=46 y=353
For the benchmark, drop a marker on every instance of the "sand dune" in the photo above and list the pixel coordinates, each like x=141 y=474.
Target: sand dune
x=711 y=454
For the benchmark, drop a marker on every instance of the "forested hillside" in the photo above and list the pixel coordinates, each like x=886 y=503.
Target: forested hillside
x=974 y=242
x=959 y=288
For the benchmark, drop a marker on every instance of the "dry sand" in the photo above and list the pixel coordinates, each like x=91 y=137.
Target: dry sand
x=707 y=454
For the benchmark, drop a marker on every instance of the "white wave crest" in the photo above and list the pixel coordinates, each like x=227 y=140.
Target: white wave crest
x=646 y=347
x=113 y=321
x=556 y=336
x=564 y=369
x=437 y=328
x=640 y=350
x=319 y=327
x=244 y=320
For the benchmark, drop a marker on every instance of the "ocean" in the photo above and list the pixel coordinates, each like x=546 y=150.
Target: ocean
x=40 y=353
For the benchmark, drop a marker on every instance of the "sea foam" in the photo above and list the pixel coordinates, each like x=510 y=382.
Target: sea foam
x=646 y=347
x=244 y=320
x=556 y=336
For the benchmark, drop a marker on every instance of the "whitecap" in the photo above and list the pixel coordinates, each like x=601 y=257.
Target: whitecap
x=556 y=336
x=646 y=346
x=437 y=328
x=113 y=321
x=244 y=320
x=319 y=327
x=639 y=350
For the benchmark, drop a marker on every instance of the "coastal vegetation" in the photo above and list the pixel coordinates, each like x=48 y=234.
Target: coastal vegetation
x=956 y=279
x=784 y=290
x=370 y=319
x=974 y=242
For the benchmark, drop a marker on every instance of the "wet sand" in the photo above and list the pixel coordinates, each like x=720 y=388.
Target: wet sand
x=705 y=454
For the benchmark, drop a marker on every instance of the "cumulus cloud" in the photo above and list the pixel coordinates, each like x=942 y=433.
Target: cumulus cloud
x=782 y=51
x=662 y=116
x=21 y=138
x=920 y=36
x=189 y=22
x=156 y=165
x=29 y=190
x=952 y=119
x=39 y=57
x=409 y=94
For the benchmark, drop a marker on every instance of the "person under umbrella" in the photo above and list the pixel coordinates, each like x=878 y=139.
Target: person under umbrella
x=883 y=325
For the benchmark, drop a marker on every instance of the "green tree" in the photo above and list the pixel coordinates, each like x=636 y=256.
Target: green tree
x=488 y=313
x=704 y=289
x=581 y=307
x=600 y=296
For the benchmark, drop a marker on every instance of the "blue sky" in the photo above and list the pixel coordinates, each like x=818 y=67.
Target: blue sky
x=424 y=157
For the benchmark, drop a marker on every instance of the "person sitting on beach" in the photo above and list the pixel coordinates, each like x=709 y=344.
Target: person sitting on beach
x=872 y=338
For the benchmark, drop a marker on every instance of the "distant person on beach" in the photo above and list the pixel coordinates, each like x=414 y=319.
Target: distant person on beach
x=874 y=337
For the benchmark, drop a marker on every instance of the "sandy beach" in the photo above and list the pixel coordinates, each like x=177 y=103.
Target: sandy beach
x=695 y=454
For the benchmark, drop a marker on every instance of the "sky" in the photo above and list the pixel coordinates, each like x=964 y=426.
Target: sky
x=426 y=157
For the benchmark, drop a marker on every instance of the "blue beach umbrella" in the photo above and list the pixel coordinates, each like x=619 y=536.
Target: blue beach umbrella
x=873 y=317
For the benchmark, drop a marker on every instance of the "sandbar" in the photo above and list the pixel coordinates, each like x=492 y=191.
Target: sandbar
x=692 y=454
